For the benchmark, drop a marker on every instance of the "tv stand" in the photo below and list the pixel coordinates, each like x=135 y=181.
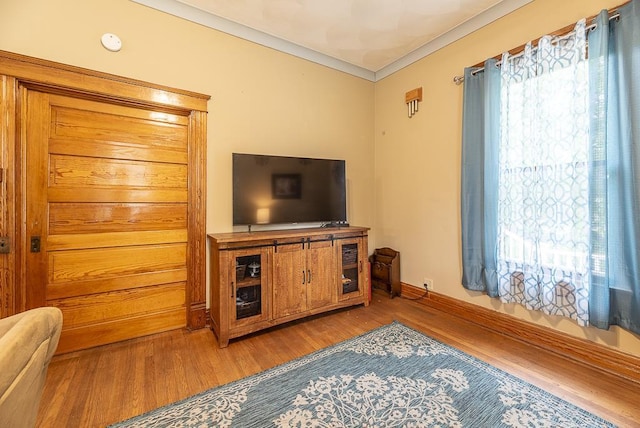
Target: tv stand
x=266 y=278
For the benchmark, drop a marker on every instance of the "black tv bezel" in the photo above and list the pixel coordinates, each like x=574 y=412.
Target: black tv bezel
x=321 y=222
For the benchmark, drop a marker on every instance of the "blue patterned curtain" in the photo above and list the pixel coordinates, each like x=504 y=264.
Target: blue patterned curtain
x=543 y=191
x=614 y=63
x=480 y=138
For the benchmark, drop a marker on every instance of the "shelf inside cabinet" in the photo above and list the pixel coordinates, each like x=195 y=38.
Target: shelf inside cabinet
x=248 y=282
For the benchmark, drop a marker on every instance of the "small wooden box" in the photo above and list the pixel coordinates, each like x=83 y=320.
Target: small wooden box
x=385 y=270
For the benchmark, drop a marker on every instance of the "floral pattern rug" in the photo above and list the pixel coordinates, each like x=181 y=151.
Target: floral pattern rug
x=393 y=376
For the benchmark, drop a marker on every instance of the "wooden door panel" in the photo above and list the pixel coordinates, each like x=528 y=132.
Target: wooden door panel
x=123 y=195
x=114 y=239
x=93 y=120
x=95 y=264
x=289 y=280
x=120 y=329
x=116 y=150
x=86 y=310
x=76 y=171
x=321 y=262
x=10 y=294
x=104 y=285
x=36 y=130
x=75 y=218
x=108 y=200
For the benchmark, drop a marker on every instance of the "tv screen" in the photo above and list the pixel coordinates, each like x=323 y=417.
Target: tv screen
x=280 y=189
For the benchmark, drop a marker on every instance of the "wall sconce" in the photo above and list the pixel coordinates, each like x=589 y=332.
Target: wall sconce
x=412 y=98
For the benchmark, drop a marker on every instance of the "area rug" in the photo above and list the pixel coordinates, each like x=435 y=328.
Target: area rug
x=392 y=376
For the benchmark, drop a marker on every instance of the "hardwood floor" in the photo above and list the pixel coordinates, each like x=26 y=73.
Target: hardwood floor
x=107 y=384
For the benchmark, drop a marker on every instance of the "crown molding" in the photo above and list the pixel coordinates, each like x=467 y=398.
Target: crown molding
x=485 y=18
x=190 y=13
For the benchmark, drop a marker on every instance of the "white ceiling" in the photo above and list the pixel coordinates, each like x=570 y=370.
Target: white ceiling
x=367 y=38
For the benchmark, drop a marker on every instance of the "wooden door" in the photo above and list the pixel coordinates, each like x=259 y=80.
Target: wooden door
x=289 y=280
x=353 y=268
x=321 y=276
x=106 y=216
x=248 y=293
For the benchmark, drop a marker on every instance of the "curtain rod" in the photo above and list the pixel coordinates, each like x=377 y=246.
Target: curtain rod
x=561 y=34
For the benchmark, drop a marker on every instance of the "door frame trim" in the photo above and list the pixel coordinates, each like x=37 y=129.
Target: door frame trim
x=17 y=71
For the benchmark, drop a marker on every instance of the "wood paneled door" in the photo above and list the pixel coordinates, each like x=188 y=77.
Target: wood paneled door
x=111 y=208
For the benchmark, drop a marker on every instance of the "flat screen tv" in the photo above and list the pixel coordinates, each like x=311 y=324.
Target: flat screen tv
x=279 y=190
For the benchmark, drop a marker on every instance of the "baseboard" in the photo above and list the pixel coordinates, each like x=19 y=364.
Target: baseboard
x=602 y=357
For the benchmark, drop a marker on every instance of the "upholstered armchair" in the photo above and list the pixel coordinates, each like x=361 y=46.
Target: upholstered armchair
x=27 y=342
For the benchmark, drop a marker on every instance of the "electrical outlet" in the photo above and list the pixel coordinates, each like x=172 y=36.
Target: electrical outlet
x=428 y=283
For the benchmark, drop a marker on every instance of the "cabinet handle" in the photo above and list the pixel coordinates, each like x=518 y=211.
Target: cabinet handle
x=360 y=265
x=232 y=289
x=303 y=277
x=309 y=277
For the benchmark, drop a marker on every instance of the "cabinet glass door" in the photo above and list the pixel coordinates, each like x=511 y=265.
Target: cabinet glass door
x=352 y=274
x=248 y=286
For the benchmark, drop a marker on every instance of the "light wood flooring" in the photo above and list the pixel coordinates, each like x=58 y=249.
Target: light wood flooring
x=103 y=385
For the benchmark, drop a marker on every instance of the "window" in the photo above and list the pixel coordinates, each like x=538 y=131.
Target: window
x=543 y=183
x=550 y=167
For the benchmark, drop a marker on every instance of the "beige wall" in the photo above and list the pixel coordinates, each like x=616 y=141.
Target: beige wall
x=264 y=101
x=417 y=166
